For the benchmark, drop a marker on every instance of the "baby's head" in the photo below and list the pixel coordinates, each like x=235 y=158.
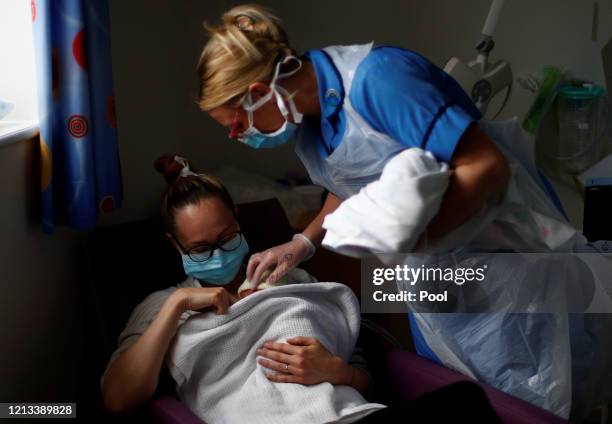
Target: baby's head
x=200 y=220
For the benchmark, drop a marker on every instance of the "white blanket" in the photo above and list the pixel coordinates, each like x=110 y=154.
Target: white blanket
x=388 y=215
x=213 y=358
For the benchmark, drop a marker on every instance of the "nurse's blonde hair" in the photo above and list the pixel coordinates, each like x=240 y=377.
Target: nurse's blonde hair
x=242 y=50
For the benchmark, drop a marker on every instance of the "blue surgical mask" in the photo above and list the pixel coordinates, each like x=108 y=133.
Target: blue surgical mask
x=258 y=140
x=255 y=138
x=220 y=269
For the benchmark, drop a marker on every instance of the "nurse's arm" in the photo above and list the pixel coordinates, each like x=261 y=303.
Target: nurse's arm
x=132 y=378
x=480 y=172
x=315 y=231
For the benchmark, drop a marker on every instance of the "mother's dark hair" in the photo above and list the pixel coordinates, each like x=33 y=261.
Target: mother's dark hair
x=187 y=190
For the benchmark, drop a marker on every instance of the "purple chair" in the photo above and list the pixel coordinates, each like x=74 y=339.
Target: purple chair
x=411 y=376
x=169 y=410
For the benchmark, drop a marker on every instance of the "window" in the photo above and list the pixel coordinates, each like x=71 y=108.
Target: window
x=17 y=70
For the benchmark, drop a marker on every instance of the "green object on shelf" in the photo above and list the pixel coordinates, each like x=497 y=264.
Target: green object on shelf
x=545 y=94
x=580 y=91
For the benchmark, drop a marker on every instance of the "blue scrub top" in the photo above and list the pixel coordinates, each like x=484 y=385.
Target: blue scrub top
x=399 y=93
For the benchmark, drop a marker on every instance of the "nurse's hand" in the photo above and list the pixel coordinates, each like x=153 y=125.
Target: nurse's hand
x=200 y=299
x=280 y=259
x=304 y=360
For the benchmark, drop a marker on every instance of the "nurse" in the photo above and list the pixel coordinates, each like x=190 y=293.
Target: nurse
x=349 y=110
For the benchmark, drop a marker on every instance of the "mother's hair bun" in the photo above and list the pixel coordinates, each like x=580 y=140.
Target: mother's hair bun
x=168 y=167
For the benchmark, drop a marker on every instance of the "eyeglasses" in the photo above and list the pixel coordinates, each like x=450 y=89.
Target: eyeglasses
x=203 y=252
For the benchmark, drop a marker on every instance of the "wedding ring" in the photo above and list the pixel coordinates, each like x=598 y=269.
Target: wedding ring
x=286 y=367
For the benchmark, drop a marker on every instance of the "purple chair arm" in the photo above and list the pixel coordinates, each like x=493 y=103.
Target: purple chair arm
x=414 y=376
x=169 y=410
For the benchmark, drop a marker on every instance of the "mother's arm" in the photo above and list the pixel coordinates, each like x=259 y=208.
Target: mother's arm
x=480 y=171
x=132 y=378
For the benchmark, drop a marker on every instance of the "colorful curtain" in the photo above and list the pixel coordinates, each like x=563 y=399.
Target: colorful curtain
x=80 y=174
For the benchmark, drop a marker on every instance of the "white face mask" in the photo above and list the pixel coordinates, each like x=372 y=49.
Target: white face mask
x=255 y=138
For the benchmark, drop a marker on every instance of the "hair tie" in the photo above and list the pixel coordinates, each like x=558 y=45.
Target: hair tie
x=245 y=23
x=186 y=171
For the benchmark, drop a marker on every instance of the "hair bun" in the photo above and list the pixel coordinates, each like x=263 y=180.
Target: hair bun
x=243 y=49
x=168 y=167
x=255 y=22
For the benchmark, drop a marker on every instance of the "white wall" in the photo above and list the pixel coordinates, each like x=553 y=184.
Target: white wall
x=40 y=285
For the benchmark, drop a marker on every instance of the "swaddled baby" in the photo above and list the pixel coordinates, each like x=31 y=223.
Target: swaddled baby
x=246 y=288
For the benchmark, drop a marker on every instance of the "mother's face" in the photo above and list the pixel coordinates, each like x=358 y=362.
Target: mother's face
x=204 y=223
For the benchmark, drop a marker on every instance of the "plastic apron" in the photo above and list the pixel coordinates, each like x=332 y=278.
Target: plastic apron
x=351 y=165
x=526 y=355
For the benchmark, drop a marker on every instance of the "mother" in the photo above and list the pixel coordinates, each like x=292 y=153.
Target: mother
x=350 y=110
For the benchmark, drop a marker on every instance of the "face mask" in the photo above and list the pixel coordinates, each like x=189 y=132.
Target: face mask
x=220 y=269
x=258 y=140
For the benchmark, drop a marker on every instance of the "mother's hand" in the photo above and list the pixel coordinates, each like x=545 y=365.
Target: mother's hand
x=304 y=360
x=202 y=299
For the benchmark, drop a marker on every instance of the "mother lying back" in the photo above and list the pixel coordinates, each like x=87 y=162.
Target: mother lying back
x=230 y=357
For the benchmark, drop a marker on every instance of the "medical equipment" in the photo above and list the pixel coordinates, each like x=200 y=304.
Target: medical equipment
x=545 y=93
x=580 y=111
x=480 y=79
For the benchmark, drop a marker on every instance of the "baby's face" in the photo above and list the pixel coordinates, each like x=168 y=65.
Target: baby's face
x=245 y=293
x=246 y=289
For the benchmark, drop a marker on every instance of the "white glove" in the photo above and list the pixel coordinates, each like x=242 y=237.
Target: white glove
x=282 y=259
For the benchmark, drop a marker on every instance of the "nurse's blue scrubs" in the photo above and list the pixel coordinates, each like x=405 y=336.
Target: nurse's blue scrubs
x=399 y=93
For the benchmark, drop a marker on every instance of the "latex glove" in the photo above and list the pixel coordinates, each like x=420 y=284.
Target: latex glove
x=280 y=259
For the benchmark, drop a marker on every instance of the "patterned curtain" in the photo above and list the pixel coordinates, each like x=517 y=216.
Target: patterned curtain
x=81 y=174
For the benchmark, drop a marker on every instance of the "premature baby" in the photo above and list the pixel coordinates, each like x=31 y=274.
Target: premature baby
x=246 y=288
